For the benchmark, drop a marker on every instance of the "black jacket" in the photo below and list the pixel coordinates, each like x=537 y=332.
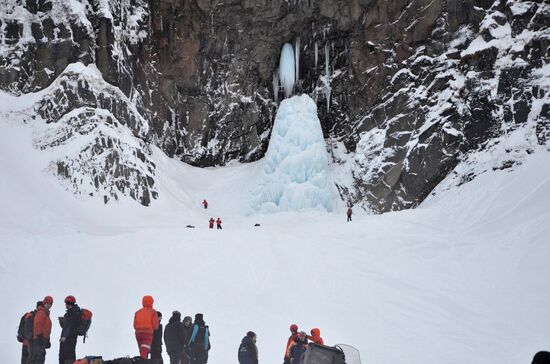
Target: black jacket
x=174 y=335
x=248 y=352
x=156 y=346
x=71 y=321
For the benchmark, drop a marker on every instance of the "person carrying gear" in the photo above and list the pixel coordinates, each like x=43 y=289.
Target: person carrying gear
x=199 y=342
x=298 y=348
x=187 y=331
x=211 y=223
x=174 y=338
x=205 y=204
x=248 y=351
x=350 y=211
x=25 y=338
x=146 y=321
x=316 y=336
x=69 y=324
x=42 y=328
x=293 y=336
x=156 y=345
x=218 y=224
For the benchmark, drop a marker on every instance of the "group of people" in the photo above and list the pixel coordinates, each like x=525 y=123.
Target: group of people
x=298 y=342
x=211 y=222
x=186 y=342
x=36 y=326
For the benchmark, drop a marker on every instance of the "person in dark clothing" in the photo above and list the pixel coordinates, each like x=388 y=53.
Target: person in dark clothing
x=174 y=338
x=156 y=346
x=69 y=324
x=187 y=330
x=248 y=351
x=199 y=342
x=349 y=213
x=298 y=348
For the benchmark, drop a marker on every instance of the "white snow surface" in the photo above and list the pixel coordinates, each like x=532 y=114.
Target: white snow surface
x=287 y=71
x=462 y=279
x=295 y=168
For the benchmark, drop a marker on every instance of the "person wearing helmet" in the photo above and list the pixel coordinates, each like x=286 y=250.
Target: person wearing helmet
x=316 y=336
x=298 y=348
x=69 y=324
x=42 y=328
x=293 y=336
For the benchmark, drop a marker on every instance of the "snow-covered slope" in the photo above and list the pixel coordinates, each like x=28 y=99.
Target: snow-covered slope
x=461 y=279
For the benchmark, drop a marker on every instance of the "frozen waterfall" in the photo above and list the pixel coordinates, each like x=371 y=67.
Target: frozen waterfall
x=287 y=70
x=294 y=175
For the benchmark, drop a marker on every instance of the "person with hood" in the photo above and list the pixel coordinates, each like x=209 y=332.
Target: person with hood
x=146 y=321
x=69 y=324
x=199 y=342
x=187 y=330
x=42 y=328
x=316 y=337
x=298 y=348
x=219 y=224
x=174 y=338
x=156 y=346
x=248 y=351
x=211 y=223
x=24 y=339
x=293 y=336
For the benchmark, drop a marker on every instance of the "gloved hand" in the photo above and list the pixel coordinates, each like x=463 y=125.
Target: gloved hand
x=48 y=344
x=20 y=338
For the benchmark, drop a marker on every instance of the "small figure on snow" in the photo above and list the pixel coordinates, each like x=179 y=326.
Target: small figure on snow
x=350 y=211
x=219 y=224
x=293 y=336
x=205 y=204
x=211 y=223
x=316 y=337
x=248 y=351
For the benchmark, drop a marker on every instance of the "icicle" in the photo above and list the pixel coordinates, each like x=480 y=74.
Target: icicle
x=276 y=85
x=287 y=70
x=327 y=76
x=316 y=54
x=297 y=61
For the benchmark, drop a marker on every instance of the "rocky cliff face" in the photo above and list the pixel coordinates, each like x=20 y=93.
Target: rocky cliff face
x=408 y=88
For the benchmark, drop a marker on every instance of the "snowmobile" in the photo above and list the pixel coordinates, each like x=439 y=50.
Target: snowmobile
x=338 y=354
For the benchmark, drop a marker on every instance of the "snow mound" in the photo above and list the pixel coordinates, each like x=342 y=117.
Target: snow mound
x=294 y=175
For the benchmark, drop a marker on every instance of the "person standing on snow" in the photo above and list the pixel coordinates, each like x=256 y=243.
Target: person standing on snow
x=199 y=343
x=69 y=323
x=42 y=328
x=187 y=331
x=174 y=338
x=350 y=211
x=26 y=339
x=219 y=224
x=156 y=345
x=298 y=348
x=211 y=223
x=146 y=321
x=248 y=351
x=293 y=336
x=205 y=204
x=316 y=336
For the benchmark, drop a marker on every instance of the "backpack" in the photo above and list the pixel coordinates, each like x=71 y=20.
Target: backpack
x=28 y=325
x=85 y=323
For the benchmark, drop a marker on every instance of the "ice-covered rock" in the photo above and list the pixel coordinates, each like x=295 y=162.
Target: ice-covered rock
x=294 y=175
x=287 y=71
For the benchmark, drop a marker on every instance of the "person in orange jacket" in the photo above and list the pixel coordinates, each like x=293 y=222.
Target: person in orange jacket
x=219 y=223
x=42 y=330
x=316 y=336
x=146 y=321
x=211 y=223
x=293 y=336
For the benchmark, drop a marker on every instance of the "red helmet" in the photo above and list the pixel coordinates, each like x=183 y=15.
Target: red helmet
x=70 y=299
x=48 y=300
x=293 y=327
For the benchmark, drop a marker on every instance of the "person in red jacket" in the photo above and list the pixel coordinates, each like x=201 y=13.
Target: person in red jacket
x=146 y=321
x=316 y=336
x=293 y=336
x=211 y=223
x=42 y=330
x=205 y=204
x=218 y=224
